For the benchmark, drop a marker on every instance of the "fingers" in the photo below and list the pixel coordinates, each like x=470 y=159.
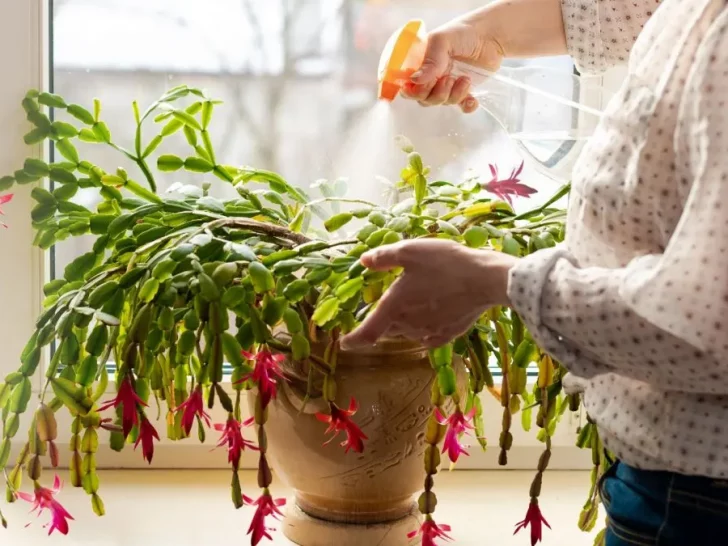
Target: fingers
x=445 y=91
x=386 y=258
x=469 y=105
x=460 y=91
x=387 y=321
x=433 y=342
x=373 y=327
x=418 y=92
x=432 y=85
x=436 y=62
x=440 y=93
x=438 y=334
x=400 y=329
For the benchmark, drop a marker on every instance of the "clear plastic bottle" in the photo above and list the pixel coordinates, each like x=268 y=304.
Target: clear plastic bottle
x=547 y=113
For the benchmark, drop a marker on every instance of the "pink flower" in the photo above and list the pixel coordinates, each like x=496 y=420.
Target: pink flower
x=193 y=407
x=5 y=199
x=340 y=421
x=42 y=499
x=510 y=186
x=128 y=400
x=457 y=424
x=266 y=506
x=431 y=531
x=147 y=435
x=267 y=369
x=534 y=519
x=232 y=435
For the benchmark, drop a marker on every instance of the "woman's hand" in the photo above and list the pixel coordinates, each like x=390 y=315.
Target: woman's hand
x=445 y=287
x=483 y=38
x=460 y=40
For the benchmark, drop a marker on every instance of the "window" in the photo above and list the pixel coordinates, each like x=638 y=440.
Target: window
x=294 y=76
x=21 y=265
x=298 y=81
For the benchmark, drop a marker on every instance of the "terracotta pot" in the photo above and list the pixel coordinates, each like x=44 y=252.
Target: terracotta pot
x=392 y=384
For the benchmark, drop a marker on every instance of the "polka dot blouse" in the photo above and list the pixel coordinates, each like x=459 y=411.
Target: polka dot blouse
x=635 y=302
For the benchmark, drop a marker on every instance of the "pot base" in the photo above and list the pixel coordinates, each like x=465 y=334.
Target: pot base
x=305 y=530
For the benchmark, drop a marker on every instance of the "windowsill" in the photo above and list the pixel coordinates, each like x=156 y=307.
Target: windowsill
x=495 y=371
x=190 y=453
x=162 y=507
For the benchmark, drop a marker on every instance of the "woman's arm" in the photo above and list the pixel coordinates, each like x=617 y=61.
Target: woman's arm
x=663 y=318
x=598 y=34
x=522 y=28
x=482 y=38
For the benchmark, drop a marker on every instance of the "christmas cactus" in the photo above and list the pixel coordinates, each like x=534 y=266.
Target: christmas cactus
x=180 y=284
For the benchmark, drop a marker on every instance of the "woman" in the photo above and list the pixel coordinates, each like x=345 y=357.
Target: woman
x=635 y=303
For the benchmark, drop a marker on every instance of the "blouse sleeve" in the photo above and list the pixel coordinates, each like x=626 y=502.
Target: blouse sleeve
x=600 y=33
x=663 y=318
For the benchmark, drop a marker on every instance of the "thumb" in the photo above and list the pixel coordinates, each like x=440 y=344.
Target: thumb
x=384 y=258
x=437 y=60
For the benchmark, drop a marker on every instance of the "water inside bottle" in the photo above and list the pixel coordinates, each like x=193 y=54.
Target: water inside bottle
x=549 y=136
x=554 y=153
x=546 y=113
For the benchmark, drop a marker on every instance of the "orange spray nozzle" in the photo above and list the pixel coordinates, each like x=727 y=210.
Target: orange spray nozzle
x=402 y=56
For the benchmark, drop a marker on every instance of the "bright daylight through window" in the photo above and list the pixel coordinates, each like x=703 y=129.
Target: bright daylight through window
x=298 y=81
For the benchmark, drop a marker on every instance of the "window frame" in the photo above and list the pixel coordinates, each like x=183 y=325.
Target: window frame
x=26 y=30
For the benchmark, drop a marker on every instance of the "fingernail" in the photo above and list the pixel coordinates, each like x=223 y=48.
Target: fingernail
x=410 y=88
x=470 y=103
x=415 y=75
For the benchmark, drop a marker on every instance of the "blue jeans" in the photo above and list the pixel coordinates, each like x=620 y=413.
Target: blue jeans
x=663 y=509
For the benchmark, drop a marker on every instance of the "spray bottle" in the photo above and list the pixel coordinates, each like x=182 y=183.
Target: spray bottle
x=547 y=113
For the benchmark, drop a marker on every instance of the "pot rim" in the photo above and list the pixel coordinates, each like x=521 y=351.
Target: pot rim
x=386 y=346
